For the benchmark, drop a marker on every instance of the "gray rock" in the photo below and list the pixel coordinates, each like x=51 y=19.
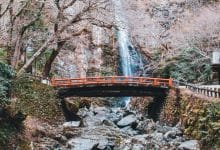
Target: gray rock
x=177 y=131
x=108 y=123
x=147 y=126
x=189 y=145
x=128 y=130
x=162 y=129
x=138 y=147
x=173 y=133
x=100 y=110
x=114 y=117
x=170 y=134
x=60 y=138
x=141 y=138
x=82 y=144
x=157 y=136
x=92 y=121
x=72 y=124
x=83 y=112
x=126 y=121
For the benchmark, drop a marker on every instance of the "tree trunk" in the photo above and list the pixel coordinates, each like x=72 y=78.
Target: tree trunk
x=17 y=52
x=36 y=55
x=49 y=62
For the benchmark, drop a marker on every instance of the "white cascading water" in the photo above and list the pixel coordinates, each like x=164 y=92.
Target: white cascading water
x=131 y=62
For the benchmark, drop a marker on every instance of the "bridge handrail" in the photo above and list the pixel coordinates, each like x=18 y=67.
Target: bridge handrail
x=111 y=79
x=210 y=92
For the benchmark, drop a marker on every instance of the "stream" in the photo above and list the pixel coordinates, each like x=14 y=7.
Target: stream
x=107 y=128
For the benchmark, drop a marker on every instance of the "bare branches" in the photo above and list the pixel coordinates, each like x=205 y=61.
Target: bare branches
x=57 y=3
x=69 y=22
x=6 y=9
x=31 y=23
x=71 y=3
x=36 y=55
x=21 y=10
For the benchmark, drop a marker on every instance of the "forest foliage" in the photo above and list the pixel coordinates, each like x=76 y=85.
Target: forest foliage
x=6 y=76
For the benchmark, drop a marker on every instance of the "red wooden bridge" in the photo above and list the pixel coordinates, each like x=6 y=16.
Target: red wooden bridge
x=110 y=81
x=111 y=86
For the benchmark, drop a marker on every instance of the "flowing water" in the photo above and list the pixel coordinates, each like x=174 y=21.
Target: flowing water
x=131 y=63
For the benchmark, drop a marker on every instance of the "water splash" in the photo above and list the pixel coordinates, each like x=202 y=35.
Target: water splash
x=130 y=60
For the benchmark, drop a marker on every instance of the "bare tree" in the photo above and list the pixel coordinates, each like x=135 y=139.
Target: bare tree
x=68 y=23
x=25 y=26
x=21 y=16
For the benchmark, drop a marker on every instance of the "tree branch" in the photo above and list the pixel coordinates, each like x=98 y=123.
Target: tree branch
x=21 y=10
x=7 y=8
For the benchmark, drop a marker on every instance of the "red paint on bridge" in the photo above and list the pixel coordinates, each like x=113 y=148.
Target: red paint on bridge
x=111 y=81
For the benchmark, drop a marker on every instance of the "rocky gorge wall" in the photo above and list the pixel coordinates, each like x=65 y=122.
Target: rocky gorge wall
x=198 y=116
x=158 y=29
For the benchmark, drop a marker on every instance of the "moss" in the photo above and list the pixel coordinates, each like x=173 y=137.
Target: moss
x=3 y=55
x=10 y=129
x=36 y=99
x=199 y=117
x=6 y=131
x=23 y=145
x=170 y=114
x=141 y=104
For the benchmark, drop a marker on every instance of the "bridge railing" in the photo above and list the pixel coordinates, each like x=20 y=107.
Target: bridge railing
x=111 y=80
x=200 y=89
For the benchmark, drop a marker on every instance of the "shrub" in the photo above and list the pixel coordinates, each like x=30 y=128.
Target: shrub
x=189 y=66
x=6 y=74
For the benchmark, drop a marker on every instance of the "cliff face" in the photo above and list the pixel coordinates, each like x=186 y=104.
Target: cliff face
x=161 y=27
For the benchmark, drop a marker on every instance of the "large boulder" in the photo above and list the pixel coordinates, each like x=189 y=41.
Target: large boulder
x=88 y=143
x=128 y=120
x=189 y=145
x=72 y=106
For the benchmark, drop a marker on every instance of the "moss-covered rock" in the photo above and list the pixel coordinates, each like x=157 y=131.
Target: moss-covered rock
x=199 y=116
x=35 y=99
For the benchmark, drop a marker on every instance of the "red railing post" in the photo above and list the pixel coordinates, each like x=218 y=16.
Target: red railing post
x=170 y=82
x=113 y=79
x=126 y=79
x=69 y=82
x=155 y=82
x=52 y=82
x=84 y=80
x=140 y=80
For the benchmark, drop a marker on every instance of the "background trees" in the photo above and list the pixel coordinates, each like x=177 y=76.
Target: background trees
x=40 y=26
x=33 y=33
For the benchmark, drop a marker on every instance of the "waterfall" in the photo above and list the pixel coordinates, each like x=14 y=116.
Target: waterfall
x=130 y=60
